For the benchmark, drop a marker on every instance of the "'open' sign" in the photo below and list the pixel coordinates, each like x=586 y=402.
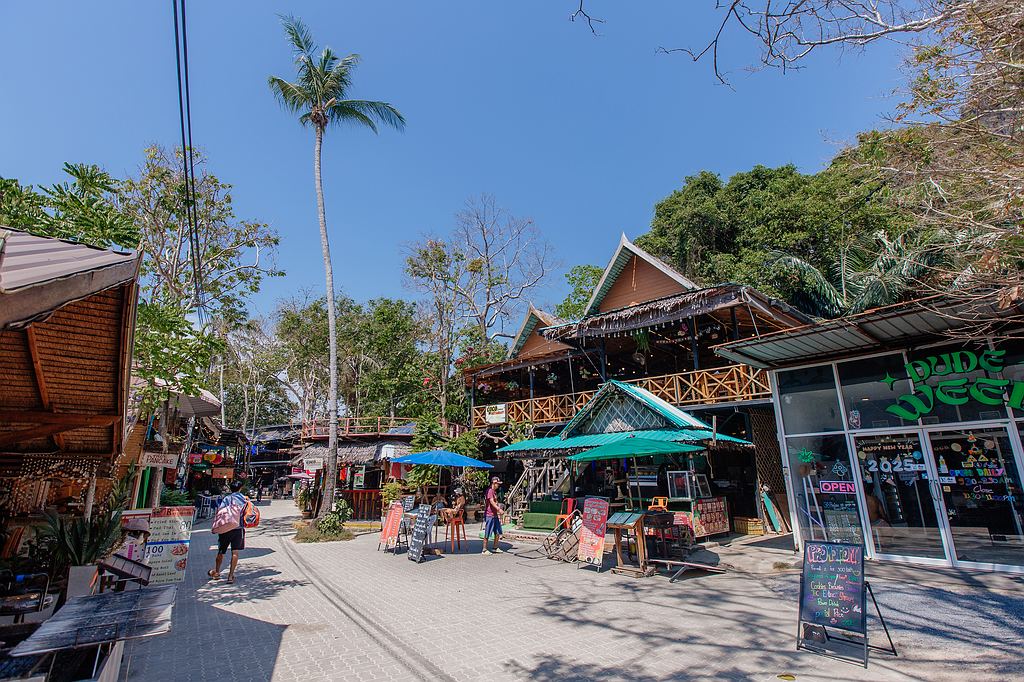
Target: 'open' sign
x=842 y=487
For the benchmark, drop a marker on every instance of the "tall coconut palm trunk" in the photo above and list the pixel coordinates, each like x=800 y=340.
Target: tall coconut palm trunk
x=331 y=465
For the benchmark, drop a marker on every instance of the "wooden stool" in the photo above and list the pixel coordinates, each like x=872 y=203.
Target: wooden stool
x=452 y=530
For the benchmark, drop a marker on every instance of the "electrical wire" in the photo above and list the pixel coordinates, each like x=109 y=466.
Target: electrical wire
x=188 y=157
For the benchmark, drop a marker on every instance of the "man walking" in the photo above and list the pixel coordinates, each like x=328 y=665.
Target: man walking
x=227 y=525
x=492 y=516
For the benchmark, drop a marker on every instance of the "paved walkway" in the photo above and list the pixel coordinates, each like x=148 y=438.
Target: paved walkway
x=343 y=611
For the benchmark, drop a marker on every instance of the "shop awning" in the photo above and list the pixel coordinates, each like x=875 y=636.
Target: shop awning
x=557 y=445
x=633 y=447
x=442 y=458
x=891 y=327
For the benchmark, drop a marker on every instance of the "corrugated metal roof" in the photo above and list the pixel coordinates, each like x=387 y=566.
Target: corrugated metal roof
x=671 y=413
x=592 y=440
x=27 y=260
x=40 y=274
x=888 y=328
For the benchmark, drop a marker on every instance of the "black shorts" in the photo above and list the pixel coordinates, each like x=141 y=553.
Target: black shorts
x=235 y=539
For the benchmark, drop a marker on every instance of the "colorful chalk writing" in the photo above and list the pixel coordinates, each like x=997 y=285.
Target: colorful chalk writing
x=832 y=586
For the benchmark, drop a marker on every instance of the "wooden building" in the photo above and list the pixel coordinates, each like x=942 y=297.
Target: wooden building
x=66 y=318
x=646 y=325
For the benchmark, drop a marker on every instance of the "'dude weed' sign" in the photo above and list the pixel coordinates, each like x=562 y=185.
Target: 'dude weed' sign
x=832 y=592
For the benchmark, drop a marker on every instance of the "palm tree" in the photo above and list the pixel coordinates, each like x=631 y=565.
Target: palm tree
x=876 y=270
x=320 y=96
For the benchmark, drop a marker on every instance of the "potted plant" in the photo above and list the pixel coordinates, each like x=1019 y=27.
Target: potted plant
x=78 y=542
x=302 y=500
x=391 y=492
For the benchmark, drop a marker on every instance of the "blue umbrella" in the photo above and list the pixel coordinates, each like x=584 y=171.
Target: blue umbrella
x=441 y=458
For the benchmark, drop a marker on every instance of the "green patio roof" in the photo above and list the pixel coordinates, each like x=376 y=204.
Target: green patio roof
x=556 y=444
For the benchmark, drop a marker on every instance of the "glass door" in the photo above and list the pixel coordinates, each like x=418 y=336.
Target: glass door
x=981 y=493
x=903 y=517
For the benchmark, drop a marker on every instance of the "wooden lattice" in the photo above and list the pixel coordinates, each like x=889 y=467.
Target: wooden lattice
x=767 y=457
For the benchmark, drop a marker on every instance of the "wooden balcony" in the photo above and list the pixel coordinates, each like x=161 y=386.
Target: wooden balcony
x=355 y=427
x=734 y=383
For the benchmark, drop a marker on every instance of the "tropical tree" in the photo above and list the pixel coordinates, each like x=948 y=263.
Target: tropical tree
x=319 y=96
x=581 y=280
x=874 y=271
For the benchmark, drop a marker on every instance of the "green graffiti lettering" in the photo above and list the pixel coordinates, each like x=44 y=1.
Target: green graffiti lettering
x=992 y=360
x=917 y=405
x=1017 y=396
x=952 y=392
x=989 y=391
x=964 y=361
x=918 y=370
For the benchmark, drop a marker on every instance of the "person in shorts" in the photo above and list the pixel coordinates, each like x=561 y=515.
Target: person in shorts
x=492 y=516
x=233 y=539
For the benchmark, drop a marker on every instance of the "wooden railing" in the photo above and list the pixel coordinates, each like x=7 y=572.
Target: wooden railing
x=536 y=481
x=366 y=504
x=369 y=426
x=699 y=387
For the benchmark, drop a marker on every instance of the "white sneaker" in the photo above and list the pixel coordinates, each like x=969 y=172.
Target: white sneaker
x=498 y=550
x=487 y=551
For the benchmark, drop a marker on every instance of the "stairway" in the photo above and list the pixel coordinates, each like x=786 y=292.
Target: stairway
x=539 y=478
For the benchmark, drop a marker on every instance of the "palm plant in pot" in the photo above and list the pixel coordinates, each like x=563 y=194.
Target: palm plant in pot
x=78 y=542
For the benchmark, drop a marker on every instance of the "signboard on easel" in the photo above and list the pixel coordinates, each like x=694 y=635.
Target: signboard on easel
x=389 y=531
x=833 y=594
x=595 y=526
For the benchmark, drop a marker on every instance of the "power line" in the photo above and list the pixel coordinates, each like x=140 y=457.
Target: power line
x=188 y=156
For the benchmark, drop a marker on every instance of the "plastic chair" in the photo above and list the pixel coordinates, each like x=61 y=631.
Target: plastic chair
x=568 y=505
x=455 y=530
x=658 y=504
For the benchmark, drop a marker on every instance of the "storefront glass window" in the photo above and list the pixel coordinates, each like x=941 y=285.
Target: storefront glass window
x=981 y=489
x=951 y=385
x=824 y=488
x=809 y=401
x=1013 y=367
x=869 y=387
x=900 y=506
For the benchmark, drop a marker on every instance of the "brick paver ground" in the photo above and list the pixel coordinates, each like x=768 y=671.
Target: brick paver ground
x=343 y=611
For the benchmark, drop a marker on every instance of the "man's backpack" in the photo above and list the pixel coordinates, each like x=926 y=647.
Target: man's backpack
x=251 y=515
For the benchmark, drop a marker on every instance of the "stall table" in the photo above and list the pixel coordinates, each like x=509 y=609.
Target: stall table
x=630 y=523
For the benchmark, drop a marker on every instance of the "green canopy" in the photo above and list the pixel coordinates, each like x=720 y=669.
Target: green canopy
x=633 y=447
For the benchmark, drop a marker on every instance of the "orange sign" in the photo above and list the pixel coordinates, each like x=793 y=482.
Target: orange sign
x=389 y=531
x=595 y=525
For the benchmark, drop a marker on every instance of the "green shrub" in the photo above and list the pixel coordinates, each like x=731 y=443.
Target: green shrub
x=310 y=532
x=391 y=492
x=333 y=522
x=174 y=498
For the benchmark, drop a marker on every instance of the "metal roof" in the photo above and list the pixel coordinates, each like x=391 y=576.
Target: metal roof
x=534 y=316
x=592 y=440
x=40 y=274
x=673 y=414
x=891 y=327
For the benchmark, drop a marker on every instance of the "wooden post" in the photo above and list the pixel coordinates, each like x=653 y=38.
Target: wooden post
x=692 y=324
x=90 y=496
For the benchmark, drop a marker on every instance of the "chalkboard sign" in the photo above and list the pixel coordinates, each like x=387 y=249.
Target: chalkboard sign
x=832 y=586
x=420 y=531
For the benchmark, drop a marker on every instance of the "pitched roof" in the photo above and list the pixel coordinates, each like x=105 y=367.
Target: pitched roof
x=637 y=412
x=625 y=251
x=40 y=274
x=534 y=317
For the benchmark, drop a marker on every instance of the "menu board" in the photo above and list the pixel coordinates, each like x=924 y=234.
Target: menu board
x=420 y=530
x=595 y=525
x=167 y=548
x=832 y=586
x=389 y=531
x=709 y=517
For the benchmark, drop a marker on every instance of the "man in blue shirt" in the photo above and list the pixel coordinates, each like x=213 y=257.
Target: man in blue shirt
x=231 y=506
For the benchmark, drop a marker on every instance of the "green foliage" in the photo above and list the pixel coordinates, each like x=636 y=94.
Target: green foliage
x=304 y=498
x=717 y=232
x=466 y=443
x=170 y=353
x=333 y=522
x=391 y=491
x=582 y=279
x=308 y=532
x=320 y=93
x=421 y=475
x=77 y=541
x=174 y=498
x=84 y=210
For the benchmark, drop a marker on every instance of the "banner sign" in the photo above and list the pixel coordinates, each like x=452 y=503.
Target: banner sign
x=170 y=529
x=595 y=526
x=223 y=472
x=495 y=414
x=313 y=463
x=159 y=459
x=710 y=516
x=389 y=531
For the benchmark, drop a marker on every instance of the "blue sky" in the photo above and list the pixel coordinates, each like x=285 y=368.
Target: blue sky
x=582 y=133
